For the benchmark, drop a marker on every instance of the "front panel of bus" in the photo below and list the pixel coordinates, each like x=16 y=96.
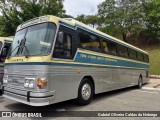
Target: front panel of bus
x=26 y=70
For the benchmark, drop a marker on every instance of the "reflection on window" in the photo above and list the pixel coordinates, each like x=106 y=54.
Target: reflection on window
x=122 y=50
x=139 y=56
x=41 y=36
x=63 y=48
x=132 y=54
x=109 y=47
x=89 y=41
x=37 y=40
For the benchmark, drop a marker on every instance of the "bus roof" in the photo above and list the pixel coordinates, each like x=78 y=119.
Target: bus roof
x=75 y=22
x=72 y=23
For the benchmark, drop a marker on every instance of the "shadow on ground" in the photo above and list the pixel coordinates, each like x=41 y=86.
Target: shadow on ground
x=53 y=110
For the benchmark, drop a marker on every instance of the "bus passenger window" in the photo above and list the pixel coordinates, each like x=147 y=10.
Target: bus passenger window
x=63 y=46
x=139 y=56
x=105 y=46
x=89 y=41
x=132 y=54
x=122 y=50
x=112 y=49
x=109 y=47
x=146 y=59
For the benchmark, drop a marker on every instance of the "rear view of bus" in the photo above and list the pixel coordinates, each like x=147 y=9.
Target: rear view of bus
x=5 y=43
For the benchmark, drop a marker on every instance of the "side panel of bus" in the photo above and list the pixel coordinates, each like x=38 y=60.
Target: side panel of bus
x=5 y=45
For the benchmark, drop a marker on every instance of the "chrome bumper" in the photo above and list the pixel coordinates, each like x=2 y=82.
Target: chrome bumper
x=29 y=97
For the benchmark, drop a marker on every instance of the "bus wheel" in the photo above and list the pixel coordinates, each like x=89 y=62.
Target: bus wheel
x=140 y=82
x=85 y=92
x=0 y=92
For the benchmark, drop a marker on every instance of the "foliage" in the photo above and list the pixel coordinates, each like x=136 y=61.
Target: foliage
x=90 y=19
x=81 y=18
x=154 y=56
x=17 y=11
x=124 y=17
x=152 y=11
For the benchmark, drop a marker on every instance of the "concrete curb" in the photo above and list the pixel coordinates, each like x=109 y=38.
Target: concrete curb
x=155 y=76
x=149 y=88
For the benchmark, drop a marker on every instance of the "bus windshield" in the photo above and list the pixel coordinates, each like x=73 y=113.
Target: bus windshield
x=37 y=40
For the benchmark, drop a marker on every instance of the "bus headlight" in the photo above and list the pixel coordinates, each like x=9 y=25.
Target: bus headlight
x=5 y=77
x=5 y=80
x=29 y=82
x=26 y=83
x=42 y=83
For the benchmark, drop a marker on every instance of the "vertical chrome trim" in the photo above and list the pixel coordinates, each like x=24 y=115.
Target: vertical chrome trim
x=54 y=42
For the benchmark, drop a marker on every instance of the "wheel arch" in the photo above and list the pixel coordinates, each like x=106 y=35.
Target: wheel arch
x=90 y=78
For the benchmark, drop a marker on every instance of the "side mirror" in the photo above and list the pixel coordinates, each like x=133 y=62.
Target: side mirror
x=4 y=52
x=60 y=37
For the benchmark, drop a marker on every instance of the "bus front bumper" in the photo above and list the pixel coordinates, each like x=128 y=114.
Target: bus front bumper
x=29 y=97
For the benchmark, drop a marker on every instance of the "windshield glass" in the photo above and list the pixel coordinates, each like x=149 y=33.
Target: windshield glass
x=37 y=40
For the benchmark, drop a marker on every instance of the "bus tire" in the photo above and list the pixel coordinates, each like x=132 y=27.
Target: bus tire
x=140 y=82
x=85 y=92
x=0 y=92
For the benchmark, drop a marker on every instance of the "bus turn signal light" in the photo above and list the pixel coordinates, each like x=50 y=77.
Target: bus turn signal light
x=41 y=83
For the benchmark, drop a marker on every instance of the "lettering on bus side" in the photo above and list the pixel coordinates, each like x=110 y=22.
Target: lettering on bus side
x=17 y=60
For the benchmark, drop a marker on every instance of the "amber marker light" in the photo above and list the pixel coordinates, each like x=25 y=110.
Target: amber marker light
x=42 y=82
x=39 y=83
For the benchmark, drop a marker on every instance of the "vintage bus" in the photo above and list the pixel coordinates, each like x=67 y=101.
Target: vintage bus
x=5 y=43
x=53 y=60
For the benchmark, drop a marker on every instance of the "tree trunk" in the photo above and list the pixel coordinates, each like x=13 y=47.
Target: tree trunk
x=124 y=37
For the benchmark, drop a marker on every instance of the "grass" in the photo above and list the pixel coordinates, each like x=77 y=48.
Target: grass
x=154 y=56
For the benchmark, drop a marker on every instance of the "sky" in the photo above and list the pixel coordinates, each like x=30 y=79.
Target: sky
x=78 y=7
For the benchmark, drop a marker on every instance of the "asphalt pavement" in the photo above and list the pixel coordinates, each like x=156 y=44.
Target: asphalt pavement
x=128 y=99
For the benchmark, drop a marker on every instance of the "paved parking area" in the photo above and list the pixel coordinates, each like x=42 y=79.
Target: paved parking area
x=129 y=99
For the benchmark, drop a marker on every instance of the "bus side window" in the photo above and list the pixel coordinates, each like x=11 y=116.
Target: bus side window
x=146 y=59
x=4 y=51
x=63 y=48
x=122 y=50
x=112 y=48
x=109 y=47
x=89 y=41
x=105 y=46
x=139 y=56
x=132 y=54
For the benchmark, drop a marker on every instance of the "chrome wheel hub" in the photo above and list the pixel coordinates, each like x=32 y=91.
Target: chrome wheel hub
x=86 y=91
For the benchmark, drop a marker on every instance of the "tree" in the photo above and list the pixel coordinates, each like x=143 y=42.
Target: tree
x=81 y=18
x=17 y=11
x=152 y=10
x=121 y=18
x=52 y=7
x=92 y=20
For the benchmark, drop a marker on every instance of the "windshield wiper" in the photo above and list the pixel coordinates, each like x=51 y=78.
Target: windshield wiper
x=20 y=47
x=26 y=51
